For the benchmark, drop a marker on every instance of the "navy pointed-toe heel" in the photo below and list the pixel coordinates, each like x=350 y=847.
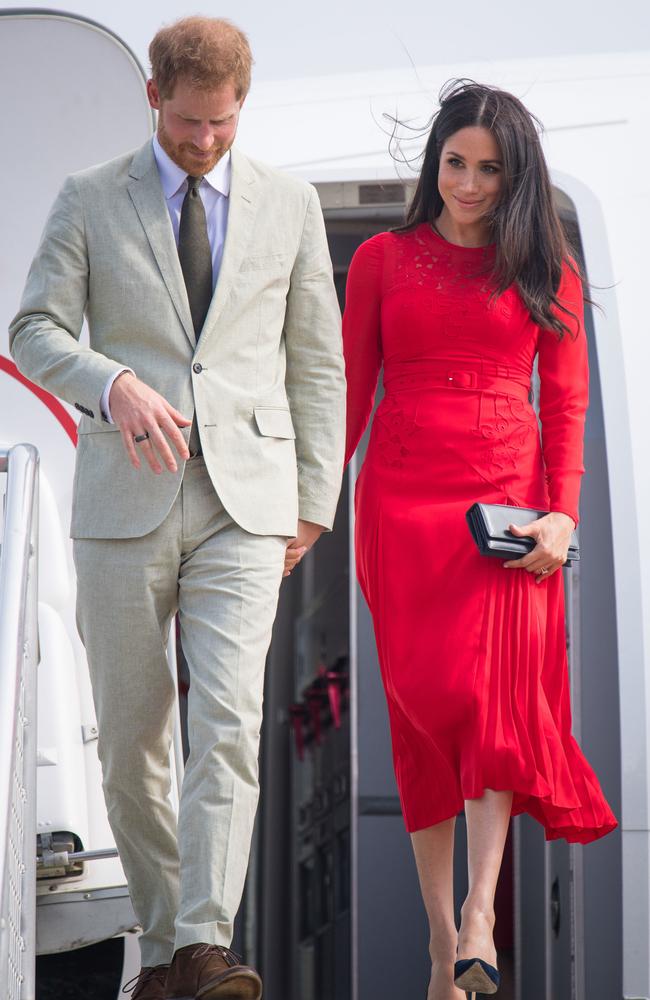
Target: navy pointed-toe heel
x=476 y=976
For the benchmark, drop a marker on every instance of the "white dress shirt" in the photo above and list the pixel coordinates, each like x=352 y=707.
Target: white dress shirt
x=215 y=195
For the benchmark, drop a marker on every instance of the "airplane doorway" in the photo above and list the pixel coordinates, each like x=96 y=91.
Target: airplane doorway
x=380 y=841
x=330 y=823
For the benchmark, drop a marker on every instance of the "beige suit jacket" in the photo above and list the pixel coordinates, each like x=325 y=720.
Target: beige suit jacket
x=266 y=378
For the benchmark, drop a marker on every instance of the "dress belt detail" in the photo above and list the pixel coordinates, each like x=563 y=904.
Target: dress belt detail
x=456 y=375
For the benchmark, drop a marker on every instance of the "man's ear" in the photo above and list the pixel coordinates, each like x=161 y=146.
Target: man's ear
x=153 y=94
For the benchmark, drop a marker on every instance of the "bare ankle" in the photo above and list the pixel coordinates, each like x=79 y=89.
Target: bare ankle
x=476 y=935
x=477 y=909
x=443 y=941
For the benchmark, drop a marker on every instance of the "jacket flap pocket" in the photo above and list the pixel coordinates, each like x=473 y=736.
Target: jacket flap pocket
x=274 y=421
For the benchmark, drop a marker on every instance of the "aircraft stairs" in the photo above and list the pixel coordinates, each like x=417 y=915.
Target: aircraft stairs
x=20 y=865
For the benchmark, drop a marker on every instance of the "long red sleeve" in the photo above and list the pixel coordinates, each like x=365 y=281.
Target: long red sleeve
x=564 y=394
x=361 y=338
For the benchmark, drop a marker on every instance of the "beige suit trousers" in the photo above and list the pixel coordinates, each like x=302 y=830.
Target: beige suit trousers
x=185 y=879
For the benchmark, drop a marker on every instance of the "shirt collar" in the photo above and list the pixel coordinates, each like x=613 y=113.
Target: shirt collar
x=172 y=177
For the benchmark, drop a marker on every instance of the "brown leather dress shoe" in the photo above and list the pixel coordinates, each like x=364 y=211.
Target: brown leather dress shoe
x=149 y=984
x=210 y=972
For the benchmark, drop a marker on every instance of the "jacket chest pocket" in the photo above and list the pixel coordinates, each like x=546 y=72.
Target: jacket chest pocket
x=270 y=261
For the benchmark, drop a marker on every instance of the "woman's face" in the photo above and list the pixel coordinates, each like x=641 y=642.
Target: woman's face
x=470 y=176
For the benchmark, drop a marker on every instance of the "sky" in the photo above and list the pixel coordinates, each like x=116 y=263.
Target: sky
x=291 y=38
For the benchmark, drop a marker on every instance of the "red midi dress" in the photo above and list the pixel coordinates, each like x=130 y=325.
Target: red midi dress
x=472 y=655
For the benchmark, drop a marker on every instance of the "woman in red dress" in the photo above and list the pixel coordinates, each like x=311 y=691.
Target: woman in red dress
x=456 y=305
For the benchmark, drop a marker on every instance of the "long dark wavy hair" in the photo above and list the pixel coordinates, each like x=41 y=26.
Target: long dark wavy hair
x=530 y=242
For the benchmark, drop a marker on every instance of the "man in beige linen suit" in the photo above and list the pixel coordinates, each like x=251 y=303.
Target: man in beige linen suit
x=209 y=461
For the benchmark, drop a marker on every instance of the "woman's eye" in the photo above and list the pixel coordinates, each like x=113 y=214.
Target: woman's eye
x=453 y=161
x=489 y=169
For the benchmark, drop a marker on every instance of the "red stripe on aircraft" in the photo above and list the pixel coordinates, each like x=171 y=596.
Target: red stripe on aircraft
x=52 y=403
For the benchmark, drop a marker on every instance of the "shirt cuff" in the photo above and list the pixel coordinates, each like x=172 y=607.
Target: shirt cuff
x=103 y=405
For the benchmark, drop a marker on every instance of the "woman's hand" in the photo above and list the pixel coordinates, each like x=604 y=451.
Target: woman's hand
x=552 y=533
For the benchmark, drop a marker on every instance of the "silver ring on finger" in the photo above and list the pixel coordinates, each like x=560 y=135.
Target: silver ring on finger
x=543 y=571
x=139 y=438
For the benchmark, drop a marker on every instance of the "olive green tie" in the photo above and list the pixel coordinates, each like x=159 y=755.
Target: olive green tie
x=196 y=264
x=195 y=254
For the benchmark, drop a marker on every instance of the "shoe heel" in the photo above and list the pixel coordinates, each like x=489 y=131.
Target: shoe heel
x=476 y=976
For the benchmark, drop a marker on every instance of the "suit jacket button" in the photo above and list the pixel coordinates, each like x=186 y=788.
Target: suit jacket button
x=197 y=367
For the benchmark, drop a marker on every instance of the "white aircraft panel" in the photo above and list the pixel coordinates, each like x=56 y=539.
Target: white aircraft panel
x=74 y=96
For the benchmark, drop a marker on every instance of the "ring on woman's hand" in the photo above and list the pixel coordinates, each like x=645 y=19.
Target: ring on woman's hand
x=543 y=571
x=139 y=438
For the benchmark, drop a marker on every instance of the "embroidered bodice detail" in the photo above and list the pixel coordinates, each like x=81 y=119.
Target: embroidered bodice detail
x=424 y=310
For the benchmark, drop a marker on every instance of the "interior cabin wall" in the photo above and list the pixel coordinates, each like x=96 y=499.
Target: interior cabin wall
x=596 y=704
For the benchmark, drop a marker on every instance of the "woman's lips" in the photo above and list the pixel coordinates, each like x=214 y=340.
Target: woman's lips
x=467 y=204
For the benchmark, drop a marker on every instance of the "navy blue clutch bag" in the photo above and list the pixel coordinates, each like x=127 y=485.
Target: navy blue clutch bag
x=488 y=524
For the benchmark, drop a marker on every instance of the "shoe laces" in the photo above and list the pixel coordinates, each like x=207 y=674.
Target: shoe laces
x=230 y=957
x=146 y=975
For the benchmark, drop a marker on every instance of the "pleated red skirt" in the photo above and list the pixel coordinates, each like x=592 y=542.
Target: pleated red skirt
x=473 y=655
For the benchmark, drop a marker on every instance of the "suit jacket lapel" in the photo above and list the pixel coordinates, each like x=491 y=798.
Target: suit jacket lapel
x=149 y=202
x=241 y=212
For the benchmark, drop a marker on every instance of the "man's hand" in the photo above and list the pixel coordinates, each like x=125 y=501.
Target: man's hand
x=308 y=533
x=552 y=534
x=136 y=409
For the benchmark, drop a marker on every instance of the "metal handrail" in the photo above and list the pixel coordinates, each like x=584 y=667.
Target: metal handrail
x=18 y=660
